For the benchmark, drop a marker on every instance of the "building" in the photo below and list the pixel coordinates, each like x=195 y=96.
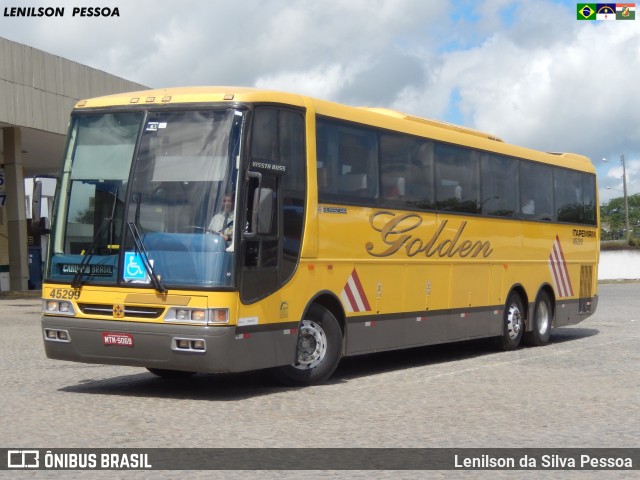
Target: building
x=37 y=93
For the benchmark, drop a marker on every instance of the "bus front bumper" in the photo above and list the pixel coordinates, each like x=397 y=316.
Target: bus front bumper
x=212 y=349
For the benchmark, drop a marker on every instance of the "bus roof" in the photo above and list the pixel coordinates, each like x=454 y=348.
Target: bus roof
x=178 y=95
x=436 y=123
x=379 y=117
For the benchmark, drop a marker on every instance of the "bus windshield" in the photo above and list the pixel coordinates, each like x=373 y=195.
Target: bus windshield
x=148 y=199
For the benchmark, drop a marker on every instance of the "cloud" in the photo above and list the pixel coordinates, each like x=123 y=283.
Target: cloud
x=528 y=72
x=325 y=81
x=249 y=43
x=571 y=91
x=558 y=85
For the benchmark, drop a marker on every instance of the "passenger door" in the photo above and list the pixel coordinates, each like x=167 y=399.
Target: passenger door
x=275 y=199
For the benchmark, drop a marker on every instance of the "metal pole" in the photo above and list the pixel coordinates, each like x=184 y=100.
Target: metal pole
x=626 y=201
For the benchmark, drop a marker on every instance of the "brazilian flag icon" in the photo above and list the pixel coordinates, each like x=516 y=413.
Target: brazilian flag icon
x=586 y=11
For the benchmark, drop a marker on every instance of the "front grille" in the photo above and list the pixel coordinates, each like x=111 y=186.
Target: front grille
x=129 y=310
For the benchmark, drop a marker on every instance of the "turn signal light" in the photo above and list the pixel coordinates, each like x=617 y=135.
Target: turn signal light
x=220 y=315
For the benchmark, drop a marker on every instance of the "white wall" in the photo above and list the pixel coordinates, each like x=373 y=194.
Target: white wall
x=619 y=265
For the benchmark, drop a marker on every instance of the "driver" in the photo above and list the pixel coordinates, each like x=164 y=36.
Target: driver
x=222 y=222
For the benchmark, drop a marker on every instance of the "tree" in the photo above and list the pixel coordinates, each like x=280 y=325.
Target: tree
x=612 y=217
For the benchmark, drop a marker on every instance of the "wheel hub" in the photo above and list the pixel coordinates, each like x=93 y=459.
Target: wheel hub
x=312 y=345
x=542 y=317
x=514 y=321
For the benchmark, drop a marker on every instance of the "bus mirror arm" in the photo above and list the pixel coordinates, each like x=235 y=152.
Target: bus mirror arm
x=253 y=232
x=262 y=208
x=256 y=175
x=43 y=227
x=39 y=223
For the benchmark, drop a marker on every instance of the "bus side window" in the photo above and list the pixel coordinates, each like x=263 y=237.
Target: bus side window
x=406 y=171
x=347 y=162
x=568 y=195
x=589 y=199
x=353 y=178
x=500 y=186
x=326 y=157
x=536 y=191
x=457 y=179
x=393 y=166
x=420 y=178
x=264 y=137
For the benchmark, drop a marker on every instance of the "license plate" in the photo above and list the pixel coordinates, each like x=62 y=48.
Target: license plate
x=118 y=339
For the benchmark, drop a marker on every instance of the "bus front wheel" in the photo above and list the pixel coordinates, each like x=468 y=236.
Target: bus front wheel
x=318 y=351
x=542 y=319
x=513 y=324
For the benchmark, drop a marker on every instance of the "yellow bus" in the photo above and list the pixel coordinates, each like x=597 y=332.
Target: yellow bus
x=220 y=229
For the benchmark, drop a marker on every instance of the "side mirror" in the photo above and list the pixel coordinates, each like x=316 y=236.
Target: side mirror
x=38 y=222
x=262 y=208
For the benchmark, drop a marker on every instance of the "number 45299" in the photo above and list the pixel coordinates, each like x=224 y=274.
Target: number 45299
x=65 y=294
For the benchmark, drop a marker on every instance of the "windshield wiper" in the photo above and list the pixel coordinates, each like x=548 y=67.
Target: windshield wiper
x=145 y=258
x=77 y=278
x=76 y=282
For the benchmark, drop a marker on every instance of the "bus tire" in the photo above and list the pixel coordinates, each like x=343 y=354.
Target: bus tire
x=170 y=374
x=541 y=323
x=318 y=351
x=513 y=323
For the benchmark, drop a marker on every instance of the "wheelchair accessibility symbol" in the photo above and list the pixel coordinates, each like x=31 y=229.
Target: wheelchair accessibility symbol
x=134 y=270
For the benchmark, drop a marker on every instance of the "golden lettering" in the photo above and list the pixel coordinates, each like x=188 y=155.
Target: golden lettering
x=399 y=231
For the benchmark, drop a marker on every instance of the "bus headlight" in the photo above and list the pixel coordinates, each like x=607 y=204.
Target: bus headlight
x=57 y=307
x=199 y=316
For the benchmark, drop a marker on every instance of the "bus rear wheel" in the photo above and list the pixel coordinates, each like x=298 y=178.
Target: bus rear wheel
x=318 y=351
x=542 y=319
x=513 y=324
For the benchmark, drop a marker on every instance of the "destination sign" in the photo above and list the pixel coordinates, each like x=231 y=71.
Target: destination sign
x=97 y=270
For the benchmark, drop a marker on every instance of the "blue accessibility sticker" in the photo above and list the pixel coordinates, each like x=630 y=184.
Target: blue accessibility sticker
x=134 y=270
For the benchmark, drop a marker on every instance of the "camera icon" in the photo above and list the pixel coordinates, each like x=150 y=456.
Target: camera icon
x=23 y=459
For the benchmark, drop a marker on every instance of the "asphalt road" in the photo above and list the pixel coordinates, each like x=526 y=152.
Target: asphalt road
x=580 y=391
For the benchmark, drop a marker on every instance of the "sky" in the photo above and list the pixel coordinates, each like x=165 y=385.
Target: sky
x=526 y=71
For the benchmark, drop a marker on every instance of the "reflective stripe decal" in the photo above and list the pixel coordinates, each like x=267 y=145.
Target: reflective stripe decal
x=353 y=296
x=559 y=270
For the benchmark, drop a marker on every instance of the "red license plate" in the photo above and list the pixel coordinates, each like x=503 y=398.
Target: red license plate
x=118 y=339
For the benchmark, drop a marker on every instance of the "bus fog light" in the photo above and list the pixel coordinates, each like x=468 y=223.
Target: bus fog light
x=53 y=335
x=186 y=345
